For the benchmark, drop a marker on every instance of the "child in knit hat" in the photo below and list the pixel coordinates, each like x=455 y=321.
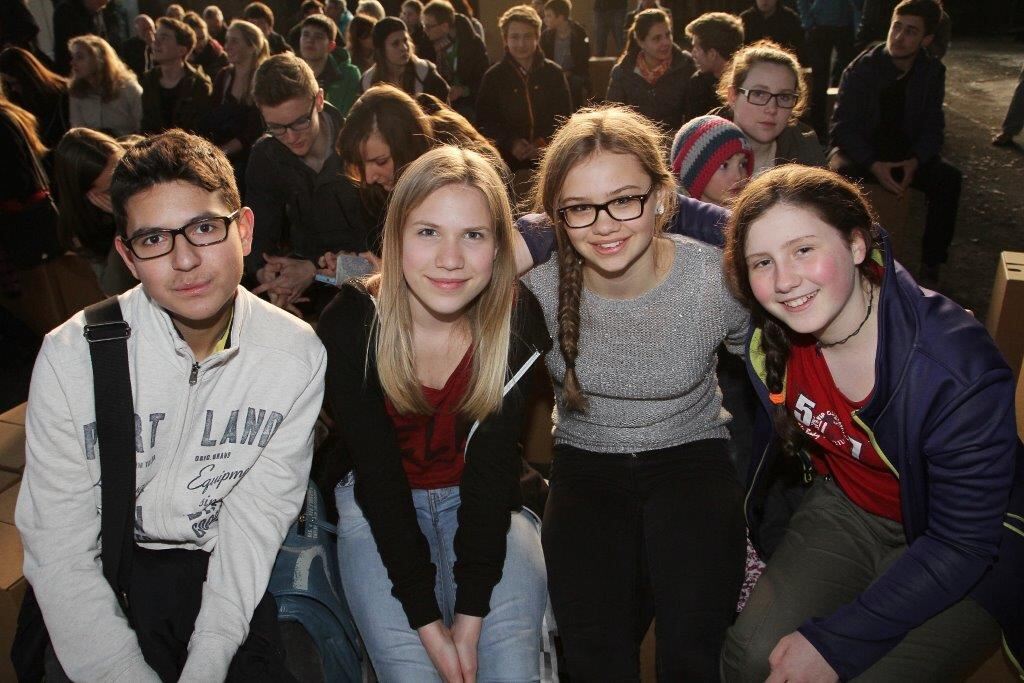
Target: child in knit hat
x=712 y=159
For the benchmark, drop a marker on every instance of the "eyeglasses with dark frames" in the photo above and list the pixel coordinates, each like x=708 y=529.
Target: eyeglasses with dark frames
x=627 y=208
x=298 y=125
x=785 y=100
x=201 y=232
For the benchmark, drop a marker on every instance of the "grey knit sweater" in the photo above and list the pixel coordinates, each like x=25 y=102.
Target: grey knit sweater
x=647 y=364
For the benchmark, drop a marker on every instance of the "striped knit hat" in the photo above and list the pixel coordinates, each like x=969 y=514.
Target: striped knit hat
x=701 y=146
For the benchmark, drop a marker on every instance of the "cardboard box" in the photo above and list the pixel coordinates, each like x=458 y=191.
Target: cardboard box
x=12 y=447
x=12 y=589
x=1005 y=319
x=7 y=500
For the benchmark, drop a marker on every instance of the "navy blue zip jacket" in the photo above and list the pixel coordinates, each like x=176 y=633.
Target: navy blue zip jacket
x=941 y=416
x=857 y=112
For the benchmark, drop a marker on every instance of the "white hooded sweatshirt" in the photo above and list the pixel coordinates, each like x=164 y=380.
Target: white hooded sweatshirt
x=223 y=451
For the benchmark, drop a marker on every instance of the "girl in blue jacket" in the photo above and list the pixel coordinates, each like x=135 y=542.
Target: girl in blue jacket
x=903 y=558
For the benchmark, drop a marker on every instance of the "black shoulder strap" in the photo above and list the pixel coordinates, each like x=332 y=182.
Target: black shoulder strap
x=107 y=334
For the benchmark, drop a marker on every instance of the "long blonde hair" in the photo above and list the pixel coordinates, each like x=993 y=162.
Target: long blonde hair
x=254 y=38
x=610 y=128
x=489 y=314
x=112 y=74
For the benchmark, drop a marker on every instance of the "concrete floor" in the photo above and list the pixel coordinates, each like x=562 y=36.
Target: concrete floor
x=981 y=75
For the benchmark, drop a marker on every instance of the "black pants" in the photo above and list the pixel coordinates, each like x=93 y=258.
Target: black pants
x=941 y=182
x=165 y=597
x=821 y=41
x=631 y=536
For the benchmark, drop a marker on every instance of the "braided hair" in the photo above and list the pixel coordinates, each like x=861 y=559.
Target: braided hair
x=616 y=130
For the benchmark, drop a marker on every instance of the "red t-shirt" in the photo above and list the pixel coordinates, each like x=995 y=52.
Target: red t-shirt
x=844 y=449
x=433 y=446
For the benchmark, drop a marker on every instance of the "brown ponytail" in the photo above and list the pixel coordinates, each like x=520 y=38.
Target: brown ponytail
x=642 y=24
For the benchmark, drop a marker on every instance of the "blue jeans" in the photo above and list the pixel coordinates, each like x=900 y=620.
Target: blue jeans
x=509 y=647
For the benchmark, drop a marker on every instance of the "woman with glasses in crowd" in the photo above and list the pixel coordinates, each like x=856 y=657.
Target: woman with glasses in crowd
x=104 y=93
x=428 y=377
x=644 y=514
x=765 y=94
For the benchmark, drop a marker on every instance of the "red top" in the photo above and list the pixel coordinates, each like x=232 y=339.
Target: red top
x=433 y=446
x=844 y=449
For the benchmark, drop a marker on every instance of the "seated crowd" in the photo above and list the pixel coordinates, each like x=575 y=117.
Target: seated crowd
x=686 y=263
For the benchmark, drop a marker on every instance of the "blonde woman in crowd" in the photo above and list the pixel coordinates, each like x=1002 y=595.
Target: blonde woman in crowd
x=104 y=94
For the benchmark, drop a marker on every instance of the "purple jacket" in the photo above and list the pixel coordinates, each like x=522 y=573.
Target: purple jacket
x=941 y=416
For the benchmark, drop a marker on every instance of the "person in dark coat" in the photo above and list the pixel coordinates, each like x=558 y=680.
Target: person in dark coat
x=770 y=19
x=653 y=73
x=565 y=42
x=137 y=52
x=888 y=125
x=175 y=94
x=715 y=37
x=208 y=54
x=75 y=18
x=458 y=52
x=296 y=181
x=262 y=16
x=522 y=97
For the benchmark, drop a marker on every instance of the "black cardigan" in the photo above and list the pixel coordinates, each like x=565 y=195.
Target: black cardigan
x=489 y=488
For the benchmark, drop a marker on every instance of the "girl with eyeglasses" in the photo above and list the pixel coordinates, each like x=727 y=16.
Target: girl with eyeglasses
x=764 y=93
x=644 y=514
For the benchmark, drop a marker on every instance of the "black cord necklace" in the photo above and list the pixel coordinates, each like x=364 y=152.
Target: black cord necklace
x=871 y=300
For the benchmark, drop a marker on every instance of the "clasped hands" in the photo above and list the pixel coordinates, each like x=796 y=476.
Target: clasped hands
x=453 y=651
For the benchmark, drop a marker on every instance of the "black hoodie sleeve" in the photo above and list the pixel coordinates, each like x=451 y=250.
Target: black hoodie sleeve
x=356 y=402
x=490 y=481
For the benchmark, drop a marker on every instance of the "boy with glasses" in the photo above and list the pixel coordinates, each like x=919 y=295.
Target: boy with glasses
x=460 y=54
x=225 y=391
x=295 y=182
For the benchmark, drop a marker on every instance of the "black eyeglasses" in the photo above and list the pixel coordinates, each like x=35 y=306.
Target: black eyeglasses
x=785 y=100
x=298 y=125
x=202 y=232
x=625 y=208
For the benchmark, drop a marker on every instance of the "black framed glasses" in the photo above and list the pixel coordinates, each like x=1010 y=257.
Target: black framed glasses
x=298 y=125
x=202 y=232
x=785 y=100
x=625 y=208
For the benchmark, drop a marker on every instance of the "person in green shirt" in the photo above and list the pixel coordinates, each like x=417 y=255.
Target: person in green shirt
x=335 y=73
